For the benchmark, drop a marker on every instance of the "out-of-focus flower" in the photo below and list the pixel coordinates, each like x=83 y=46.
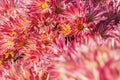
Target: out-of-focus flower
x=84 y=63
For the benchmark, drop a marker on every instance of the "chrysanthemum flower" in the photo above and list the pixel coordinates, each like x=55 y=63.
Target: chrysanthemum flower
x=110 y=15
x=38 y=7
x=79 y=25
x=22 y=71
x=86 y=62
x=12 y=8
x=74 y=10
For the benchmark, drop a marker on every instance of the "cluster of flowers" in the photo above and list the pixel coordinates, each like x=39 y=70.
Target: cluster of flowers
x=59 y=40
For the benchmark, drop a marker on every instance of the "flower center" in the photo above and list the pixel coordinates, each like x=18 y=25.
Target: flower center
x=44 y=6
x=66 y=29
x=10 y=53
x=10 y=43
x=13 y=33
x=90 y=18
x=58 y=10
x=0 y=62
x=45 y=37
x=80 y=27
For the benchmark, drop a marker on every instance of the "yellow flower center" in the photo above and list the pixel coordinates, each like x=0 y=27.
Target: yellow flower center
x=66 y=29
x=10 y=53
x=10 y=43
x=45 y=37
x=0 y=62
x=80 y=27
x=44 y=6
x=13 y=33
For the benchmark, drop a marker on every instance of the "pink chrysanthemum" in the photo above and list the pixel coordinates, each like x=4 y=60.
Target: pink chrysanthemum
x=86 y=62
x=12 y=8
x=74 y=10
